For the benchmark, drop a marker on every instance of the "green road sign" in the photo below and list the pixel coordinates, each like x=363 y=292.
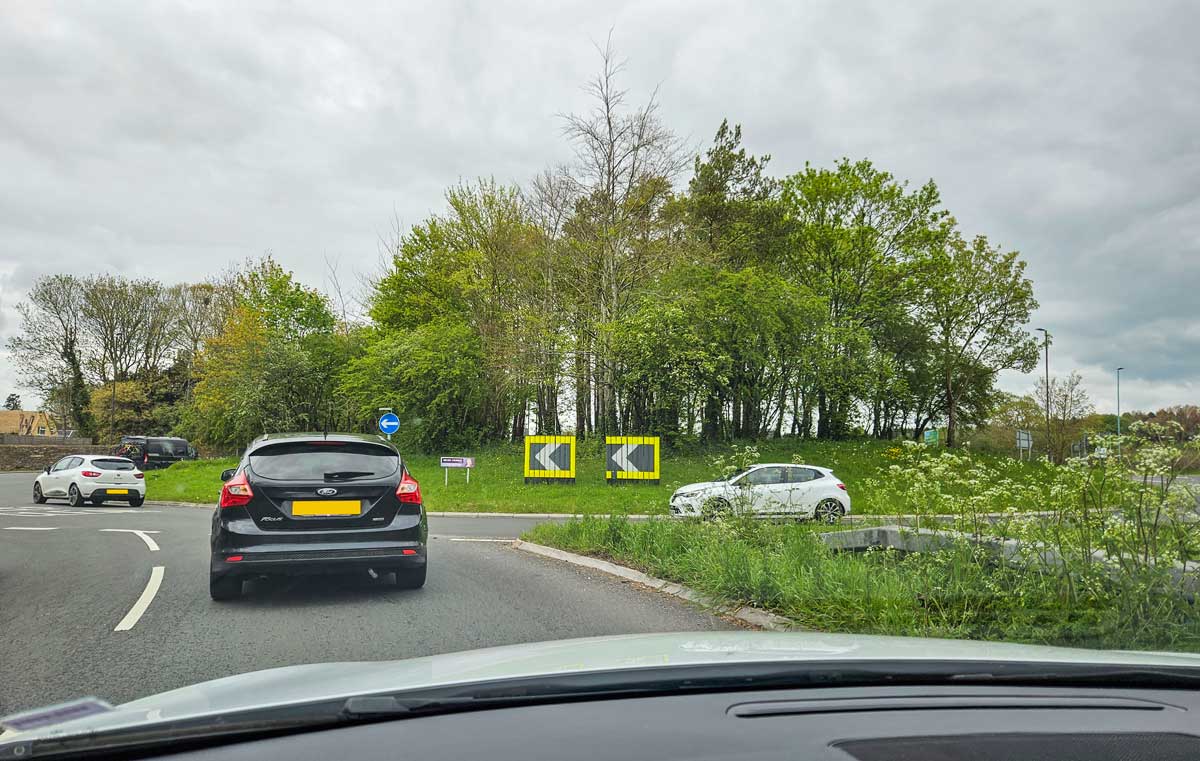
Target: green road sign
x=931 y=436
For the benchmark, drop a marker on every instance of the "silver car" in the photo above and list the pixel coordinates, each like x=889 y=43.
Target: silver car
x=768 y=489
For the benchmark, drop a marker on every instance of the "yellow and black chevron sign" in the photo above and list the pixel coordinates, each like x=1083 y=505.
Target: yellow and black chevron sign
x=631 y=458
x=549 y=459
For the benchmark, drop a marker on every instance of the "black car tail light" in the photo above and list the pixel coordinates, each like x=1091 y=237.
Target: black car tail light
x=409 y=491
x=236 y=491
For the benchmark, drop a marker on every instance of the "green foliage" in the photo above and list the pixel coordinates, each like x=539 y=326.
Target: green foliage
x=976 y=301
x=962 y=591
x=273 y=366
x=469 y=279
x=732 y=205
x=285 y=307
x=432 y=377
x=853 y=230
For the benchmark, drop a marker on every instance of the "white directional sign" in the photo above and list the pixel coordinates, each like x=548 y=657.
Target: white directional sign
x=549 y=458
x=456 y=462
x=632 y=458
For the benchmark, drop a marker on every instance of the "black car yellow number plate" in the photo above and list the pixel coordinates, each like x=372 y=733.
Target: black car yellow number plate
x=327 y=507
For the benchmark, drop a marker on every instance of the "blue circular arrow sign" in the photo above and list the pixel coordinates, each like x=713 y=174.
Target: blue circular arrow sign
x=389 y=423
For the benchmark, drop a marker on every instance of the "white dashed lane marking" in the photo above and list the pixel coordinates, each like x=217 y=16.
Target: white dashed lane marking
x=48 y=511
x=30 y=528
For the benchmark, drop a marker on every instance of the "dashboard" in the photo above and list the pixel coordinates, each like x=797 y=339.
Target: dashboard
x=842 y=724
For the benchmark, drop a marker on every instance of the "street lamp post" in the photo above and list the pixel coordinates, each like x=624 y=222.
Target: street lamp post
x=1046 y=333
x=1119 y=369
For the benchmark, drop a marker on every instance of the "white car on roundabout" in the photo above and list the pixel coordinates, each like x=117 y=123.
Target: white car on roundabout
x=94 y=478
x=784 y=490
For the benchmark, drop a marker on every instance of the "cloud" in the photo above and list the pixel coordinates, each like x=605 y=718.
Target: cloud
x=171 y=140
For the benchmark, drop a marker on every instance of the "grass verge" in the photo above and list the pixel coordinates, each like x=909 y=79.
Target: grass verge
x=497 y=484
x=957 y=593
x=195 y=481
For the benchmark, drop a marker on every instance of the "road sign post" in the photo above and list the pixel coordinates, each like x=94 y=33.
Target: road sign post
x=457 y=462
x=1024 y=445
x=631 y=459
x=549 y=459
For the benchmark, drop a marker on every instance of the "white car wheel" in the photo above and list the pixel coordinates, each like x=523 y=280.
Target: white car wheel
x=715 y=507
x=828 y=511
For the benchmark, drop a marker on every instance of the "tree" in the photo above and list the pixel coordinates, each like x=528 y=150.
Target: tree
x=732 y=204
x=432 y=376
x=851 y=230
x=51 y=349
x=1069 y=406
x=548 y=204
x=478 y=265
x=251 y=381
x=976 y=302
x=134 y=326
x=621 y=180
x=286 y=307
x=273 y=366
x=121 y=407
x=114 y=313
x=12 y=402
x=202 y=309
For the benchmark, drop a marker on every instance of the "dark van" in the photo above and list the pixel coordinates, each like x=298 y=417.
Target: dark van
x=151 y=452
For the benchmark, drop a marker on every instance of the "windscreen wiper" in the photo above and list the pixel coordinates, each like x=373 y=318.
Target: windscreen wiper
x=339 y=475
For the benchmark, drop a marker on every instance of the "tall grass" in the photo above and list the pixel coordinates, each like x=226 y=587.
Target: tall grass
x=961 y=592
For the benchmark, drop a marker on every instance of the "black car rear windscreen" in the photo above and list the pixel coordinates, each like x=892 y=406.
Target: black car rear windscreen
x=323 y=461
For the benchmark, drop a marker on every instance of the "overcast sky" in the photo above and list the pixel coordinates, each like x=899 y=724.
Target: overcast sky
x=170 y=140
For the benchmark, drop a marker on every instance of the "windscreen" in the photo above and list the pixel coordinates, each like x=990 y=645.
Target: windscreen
x=941 y=257
x=323 y=461
x=168 y=447
x=113 y=464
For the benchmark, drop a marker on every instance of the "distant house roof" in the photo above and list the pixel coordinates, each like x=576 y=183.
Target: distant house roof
x=26 y=423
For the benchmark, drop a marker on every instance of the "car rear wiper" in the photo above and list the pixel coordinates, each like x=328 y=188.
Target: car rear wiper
x=339 y=475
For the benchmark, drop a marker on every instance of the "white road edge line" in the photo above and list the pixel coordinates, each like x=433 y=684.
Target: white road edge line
x=145 y=535
x=31 y=528
x=143 y=602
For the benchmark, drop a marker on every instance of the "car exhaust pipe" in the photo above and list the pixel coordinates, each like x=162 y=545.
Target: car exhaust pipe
x=372 y=574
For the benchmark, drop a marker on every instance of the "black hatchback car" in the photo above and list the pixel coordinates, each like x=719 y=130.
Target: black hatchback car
x=300 y=504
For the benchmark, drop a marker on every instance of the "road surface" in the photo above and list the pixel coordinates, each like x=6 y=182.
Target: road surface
x=113 y=601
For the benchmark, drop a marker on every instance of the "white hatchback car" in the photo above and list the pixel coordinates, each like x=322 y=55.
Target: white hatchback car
x=769 y=489
x=91 y=477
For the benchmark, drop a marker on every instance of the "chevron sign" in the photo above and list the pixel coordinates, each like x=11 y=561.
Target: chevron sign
x=631 y=458
x=549 y=459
